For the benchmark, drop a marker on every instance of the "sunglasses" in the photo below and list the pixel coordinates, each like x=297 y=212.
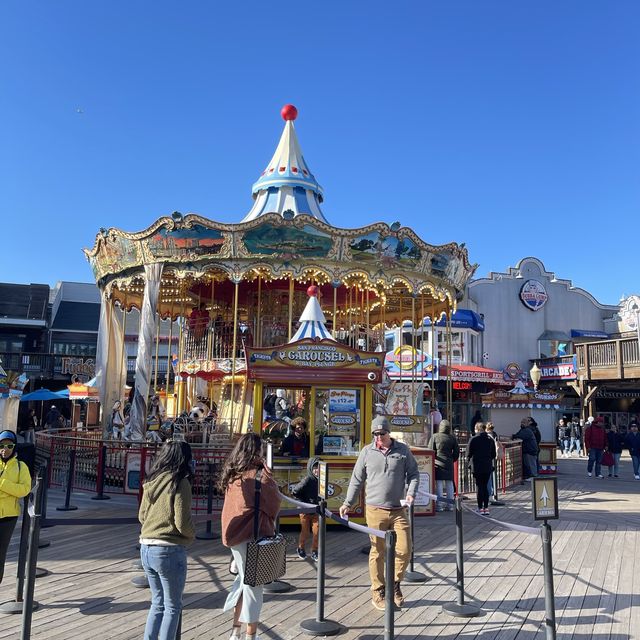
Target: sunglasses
x=9 y=445
x=379 y=434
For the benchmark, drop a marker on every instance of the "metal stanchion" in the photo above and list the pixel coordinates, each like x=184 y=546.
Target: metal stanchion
x=390 y=538
x=460 y=609
x=72 y=470
x=208 y=533
x=277 y=586
x=549 y=598
x=102 y=465
x=319 y=626
x=15 y=606
x=495 y=501
x=45 y=495
x=412 y=575
x=35 y=511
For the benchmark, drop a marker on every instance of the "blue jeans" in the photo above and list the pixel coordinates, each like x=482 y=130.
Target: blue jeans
x=595 y=455
x=575 y=442
x=636 y=465
x=166 y=569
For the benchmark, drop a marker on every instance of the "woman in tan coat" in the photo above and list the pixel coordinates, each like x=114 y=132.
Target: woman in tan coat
x=238 y=482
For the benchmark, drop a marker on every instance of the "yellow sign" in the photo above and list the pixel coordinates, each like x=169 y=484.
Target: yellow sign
x=323 y=480
x=545 y=498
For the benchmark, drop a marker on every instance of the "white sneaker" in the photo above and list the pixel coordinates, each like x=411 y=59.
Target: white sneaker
x=599 y=476
x=589 y=473
x=637 y=477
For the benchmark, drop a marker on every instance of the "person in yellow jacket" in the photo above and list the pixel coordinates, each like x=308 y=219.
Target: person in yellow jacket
x=15 y=483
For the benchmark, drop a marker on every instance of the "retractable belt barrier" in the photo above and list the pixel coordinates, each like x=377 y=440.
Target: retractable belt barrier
x=320 y=626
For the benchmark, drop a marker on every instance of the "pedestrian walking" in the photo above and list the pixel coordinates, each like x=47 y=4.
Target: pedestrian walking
x=29 y=427
x=576 y=437
x=15 y=483
x=529 y=449
x=243 y=469
x=615 y=443
x=307 y=491
x=447 y=451
x=481 y=452
x=564 y=431
x=53 y=419
x=167 y=530
x=632 y=442
x=595 y=439
x=116 y=424
x=385 y=467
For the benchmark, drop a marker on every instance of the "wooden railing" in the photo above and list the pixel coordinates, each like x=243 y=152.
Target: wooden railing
x=616 y=359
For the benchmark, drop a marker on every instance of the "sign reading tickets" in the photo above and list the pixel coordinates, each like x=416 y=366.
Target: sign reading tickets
x=545 y=498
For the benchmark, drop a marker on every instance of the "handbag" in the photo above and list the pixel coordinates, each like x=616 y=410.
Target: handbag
x=607 y=459
x=267 y=556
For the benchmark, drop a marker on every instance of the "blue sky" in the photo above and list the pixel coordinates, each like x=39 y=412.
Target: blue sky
x=510 y=126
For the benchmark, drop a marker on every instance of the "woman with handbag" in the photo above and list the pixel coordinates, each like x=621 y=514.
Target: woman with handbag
x=167 y=529
x=251 y=504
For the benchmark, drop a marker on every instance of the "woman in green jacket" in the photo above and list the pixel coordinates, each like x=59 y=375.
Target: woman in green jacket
x=15 y=483
x=167 y=529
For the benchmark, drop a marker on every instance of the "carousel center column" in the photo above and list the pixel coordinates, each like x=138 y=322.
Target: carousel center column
x=148 y=320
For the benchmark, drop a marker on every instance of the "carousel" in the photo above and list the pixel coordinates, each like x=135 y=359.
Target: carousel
x=235 y=299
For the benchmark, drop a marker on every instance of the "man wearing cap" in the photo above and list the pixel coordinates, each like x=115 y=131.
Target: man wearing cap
x=389 y=472
x=15 y=483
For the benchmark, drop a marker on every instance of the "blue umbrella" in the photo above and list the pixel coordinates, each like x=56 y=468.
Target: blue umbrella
x=43 y=394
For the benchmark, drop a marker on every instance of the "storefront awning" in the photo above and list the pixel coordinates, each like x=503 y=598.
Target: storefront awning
x=588 y=333
x=461 y=319
x=560 y=336
x=472 y=373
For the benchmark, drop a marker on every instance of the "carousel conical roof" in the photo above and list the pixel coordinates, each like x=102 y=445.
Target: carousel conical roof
x=312 y=320
x=287 y=183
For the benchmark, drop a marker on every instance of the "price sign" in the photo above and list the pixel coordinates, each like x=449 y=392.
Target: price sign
x=323 y=480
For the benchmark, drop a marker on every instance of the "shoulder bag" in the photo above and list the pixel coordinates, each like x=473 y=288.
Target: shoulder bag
x=267 y=556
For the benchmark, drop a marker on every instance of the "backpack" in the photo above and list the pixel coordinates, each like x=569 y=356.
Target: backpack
x=269 y=404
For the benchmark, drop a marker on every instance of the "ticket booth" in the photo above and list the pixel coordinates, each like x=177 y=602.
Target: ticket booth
x=330 y=386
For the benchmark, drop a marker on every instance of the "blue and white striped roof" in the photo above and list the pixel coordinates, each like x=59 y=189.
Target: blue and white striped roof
x=287 y=183
x=312 y=320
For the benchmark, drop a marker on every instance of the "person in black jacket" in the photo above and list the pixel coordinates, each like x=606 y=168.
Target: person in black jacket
x=615 y=442
x=307 y=491
x=529 y=448
x=481 y=452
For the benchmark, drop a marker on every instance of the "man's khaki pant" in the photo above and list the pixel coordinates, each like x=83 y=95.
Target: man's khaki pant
x=385 y=520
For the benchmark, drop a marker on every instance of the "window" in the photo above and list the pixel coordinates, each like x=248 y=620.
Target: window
x=280 y=407
x=555 y=348
x=337 y=422
x=11 y=344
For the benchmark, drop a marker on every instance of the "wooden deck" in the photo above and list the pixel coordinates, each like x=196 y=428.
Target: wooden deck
x=596 y=546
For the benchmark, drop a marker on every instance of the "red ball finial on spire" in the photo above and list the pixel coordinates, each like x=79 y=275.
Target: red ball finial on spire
x=289 y=112
x=312 y=291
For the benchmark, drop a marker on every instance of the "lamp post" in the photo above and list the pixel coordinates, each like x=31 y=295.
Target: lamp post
x=535 y=373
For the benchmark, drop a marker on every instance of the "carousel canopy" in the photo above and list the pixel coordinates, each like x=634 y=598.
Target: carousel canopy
x=372 y=273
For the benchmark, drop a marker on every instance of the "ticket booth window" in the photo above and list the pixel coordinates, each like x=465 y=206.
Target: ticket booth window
x=280 y=406
x=338 y=429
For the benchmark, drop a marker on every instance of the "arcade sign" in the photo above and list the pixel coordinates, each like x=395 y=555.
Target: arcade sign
x=558 y=370
x=533 y=295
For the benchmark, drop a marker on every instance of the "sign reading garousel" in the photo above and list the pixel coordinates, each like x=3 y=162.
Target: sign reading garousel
x=545 y=498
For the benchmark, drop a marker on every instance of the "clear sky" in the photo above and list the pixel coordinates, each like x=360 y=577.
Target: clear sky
x=511 y=126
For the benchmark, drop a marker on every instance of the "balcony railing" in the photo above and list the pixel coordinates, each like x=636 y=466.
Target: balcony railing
x=617 y=359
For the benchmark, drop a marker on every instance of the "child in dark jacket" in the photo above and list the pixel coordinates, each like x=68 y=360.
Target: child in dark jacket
x=307 y=491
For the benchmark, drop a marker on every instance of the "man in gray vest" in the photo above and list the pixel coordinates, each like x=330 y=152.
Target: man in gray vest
x=389 y=472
